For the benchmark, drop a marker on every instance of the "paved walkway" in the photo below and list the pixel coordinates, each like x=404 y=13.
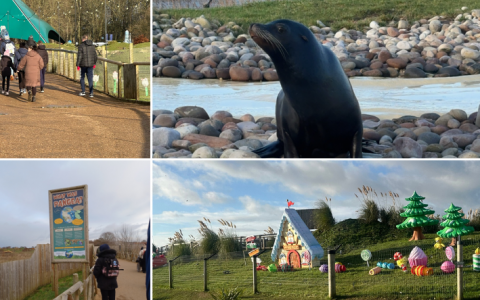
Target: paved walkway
x=61 y=124
x=131 y=284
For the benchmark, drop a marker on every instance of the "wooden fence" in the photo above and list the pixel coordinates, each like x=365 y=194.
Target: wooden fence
x=126 y=85
x=20 y=278
x=88 y=287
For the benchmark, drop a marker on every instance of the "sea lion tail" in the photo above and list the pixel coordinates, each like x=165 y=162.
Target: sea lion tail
x=272 y=150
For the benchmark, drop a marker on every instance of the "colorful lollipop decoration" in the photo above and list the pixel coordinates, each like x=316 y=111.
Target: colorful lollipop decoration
x=450 y=253
x=366 y=256
x=401 y=261
x=447 y=267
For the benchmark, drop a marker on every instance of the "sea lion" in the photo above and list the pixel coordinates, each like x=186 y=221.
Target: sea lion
x=317 y=113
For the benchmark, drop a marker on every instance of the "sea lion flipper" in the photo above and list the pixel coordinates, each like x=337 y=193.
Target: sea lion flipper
x=272 y=150
x=356 y=150
x=290 y=150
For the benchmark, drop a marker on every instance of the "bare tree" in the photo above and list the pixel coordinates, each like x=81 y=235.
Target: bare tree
x=128 y=239
x=107 y=238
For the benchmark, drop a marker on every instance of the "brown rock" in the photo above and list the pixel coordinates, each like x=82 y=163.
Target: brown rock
x=397 y=63
x=210 y=62
x=223 y=73
x=220 y=115
x=257 y=74
x=270 y=75
x=241 y=39
x=468 y=127
x=407 y=125
x=193 y=121
x=211 y=141
x=376 y=65
x=373 y=73
x=247 y=118
x=392 y=31
x=239 y=73
x=229 y=125
x=370 y=117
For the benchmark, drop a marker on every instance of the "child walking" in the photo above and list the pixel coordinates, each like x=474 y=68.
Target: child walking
x=6 y=64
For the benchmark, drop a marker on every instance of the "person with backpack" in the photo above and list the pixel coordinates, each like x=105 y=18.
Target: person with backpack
x=44 y=55
x=32 y=63
x=86 y=61
x=19 y=54
x=6 y=64
x=106 y=271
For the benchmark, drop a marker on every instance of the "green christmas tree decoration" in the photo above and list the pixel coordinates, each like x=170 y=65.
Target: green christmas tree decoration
x=416 y=215
x=454 y=224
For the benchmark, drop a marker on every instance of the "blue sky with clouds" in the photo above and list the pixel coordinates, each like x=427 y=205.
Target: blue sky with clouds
x=252 y=194
x=118 y=194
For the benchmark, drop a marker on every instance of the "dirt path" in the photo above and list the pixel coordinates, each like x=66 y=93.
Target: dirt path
x=131 y=284
x=61 y=124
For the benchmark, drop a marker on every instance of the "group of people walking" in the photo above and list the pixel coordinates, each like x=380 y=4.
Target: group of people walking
x=29 y=65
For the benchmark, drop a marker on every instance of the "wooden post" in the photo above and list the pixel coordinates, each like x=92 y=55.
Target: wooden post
x=77 y=292
x=205 y=275
x=120 y=77
x=137 y=78
x=74 y=66
x=105 y=78
x=255 y=274
x=459 y=268
x=55 y=279
x=131 y=52
x=170 y=275
x=332 y=292
x=65 y=63
x=53 y=61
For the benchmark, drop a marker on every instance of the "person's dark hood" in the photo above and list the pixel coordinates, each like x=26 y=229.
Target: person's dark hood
x=108 y=253
x=23 y=51
x=88 y=43
x=41 y=47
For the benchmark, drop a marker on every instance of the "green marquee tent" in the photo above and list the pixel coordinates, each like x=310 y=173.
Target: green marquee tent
x=21 y=22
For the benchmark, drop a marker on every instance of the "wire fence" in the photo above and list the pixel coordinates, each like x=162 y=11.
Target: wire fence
x=236 y=270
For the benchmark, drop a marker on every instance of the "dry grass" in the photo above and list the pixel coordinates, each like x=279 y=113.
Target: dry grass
x=11 y=254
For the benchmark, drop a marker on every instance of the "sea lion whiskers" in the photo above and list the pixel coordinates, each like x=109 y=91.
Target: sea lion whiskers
x=269 y=38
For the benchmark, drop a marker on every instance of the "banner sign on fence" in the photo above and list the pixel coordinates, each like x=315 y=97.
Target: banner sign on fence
x=69 y=224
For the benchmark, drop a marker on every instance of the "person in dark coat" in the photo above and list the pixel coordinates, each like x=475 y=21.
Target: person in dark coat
x=6 y=64
x=19 y=54
x=44 y=55
x=86 y=61
x=107 y=285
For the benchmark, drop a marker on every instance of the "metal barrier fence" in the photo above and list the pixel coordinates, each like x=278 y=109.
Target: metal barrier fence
x=235 y=270
x=115 y=78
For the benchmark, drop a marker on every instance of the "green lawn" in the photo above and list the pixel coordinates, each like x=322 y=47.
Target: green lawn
x=45 y=292
x=308 y=284
x=337 y=14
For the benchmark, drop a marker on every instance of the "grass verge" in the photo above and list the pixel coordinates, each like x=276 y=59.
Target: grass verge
x=352 y=14
x=45 y=292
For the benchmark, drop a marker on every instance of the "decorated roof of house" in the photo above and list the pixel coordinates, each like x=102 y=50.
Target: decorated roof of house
x=307 y=239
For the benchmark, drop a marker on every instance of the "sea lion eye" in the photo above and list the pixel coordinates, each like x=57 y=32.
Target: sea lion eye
x=281 y=29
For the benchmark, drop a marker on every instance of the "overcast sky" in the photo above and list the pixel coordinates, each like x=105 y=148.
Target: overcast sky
x=118 y=193
x=252 y=194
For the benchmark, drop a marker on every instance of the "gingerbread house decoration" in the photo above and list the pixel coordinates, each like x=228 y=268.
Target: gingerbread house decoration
x=295 y=244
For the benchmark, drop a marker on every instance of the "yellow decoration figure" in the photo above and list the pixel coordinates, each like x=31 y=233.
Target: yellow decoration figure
x=477 y=252
x=438 y=243
x=402 y=261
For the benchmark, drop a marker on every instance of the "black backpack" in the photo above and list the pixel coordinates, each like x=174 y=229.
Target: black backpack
x=111 y=267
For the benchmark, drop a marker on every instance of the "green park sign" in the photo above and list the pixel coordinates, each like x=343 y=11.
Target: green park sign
x=69 y=224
